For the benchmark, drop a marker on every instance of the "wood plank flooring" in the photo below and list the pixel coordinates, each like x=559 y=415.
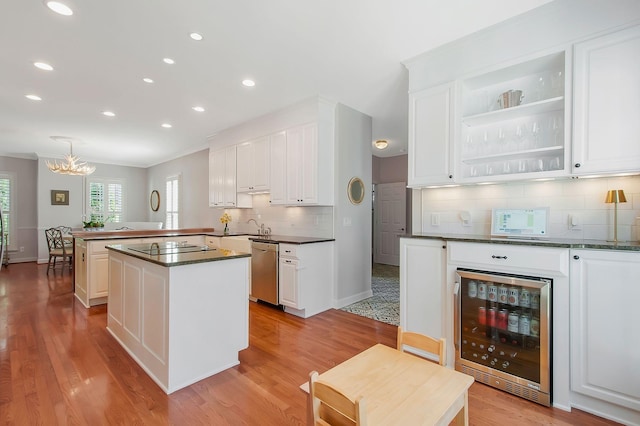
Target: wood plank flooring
x=59 y=366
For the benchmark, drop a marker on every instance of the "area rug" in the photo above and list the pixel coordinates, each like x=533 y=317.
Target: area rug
x=384 y=305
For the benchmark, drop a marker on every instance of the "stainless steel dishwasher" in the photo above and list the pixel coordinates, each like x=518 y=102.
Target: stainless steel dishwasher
x=264 y=271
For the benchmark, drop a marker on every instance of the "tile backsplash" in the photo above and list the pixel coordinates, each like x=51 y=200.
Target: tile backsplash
x=581 y=198
x=298 y=221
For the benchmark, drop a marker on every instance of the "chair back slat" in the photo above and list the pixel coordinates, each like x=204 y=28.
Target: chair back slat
x=422 y=342
x=332 y=407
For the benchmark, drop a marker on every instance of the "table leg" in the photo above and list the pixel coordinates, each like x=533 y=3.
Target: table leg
x=462 y=418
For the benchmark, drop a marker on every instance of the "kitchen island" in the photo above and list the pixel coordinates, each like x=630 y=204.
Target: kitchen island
x=180 y=310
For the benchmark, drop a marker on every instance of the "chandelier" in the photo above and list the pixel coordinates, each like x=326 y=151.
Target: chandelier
x=71 y=164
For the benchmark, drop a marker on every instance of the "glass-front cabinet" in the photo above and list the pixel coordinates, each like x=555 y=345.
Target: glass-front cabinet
x=503 y=332
x=513 y=122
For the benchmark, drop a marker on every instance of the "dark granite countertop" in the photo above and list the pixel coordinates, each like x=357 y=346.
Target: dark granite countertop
x=276 y=239
x=551 y=242
x=170 y=254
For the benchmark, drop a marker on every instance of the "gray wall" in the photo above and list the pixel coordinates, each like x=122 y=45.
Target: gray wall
x=390 y=169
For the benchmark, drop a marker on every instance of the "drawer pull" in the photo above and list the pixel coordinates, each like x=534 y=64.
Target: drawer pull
x=493 y=256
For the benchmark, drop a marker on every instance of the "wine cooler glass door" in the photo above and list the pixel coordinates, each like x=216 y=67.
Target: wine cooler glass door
x=503 y=326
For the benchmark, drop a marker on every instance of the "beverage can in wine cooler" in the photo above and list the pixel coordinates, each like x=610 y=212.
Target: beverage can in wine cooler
x=534 y=328
x=503 y=294
x=491 y=317
x=492 y=293
x=503 y=319
x=512 y=322
x=482 y=290
x=514 y=296
x=472 y=289
x=535 y=299
x=524 y=325
x=482 y=315
x=525 y=298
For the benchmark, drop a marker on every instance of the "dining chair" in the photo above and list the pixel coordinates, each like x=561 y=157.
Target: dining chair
x=423 y=343
x=331 y=407
x=66 y=230
x=57 y=249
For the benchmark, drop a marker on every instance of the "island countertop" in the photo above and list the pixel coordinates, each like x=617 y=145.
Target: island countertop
x=170 y=254
x=131 y=233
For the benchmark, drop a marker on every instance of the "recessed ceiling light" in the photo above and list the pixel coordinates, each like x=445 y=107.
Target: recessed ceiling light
x=33 y=97
x=147 y=80
x=248 y=83
x=196 y=36
x=59 y=7
x=167 y=125
x=43 y=66
x=109 y=113
x=168 y=61
x=198 y=108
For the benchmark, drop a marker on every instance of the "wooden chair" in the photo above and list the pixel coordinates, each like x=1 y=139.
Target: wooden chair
x=57 y=249
x=331 y=407
x=66 y=230
x=423 y=343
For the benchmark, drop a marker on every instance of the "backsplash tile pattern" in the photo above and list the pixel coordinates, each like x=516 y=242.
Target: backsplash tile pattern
x=581 y=197
x=309 y=221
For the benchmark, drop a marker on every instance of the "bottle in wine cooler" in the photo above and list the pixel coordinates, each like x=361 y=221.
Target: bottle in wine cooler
x=472 y=289
x=524 y=325
x=482 y=290
x=514 y=296
x=513 y=322
x=525 y=298
x=534 y=327
x=535 y=299
x=492 y=293
x=491 y=317
x=502 y=320
x=482 y=315
x=503 y=294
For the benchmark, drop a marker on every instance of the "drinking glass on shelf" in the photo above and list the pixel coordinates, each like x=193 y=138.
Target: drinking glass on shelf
x=555 y=127
x=523 y=167
x=469 y=147
x=557 y=83
x=486 y=143
x=542 y=87
x=520 y=135
x=535 y=132
x=537 y=165
x=554 y=163
x=506 y=167
x=502 y=140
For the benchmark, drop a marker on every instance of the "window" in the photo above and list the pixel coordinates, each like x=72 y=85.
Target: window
x=106 y=200
x=7 y=204
x=173 y=202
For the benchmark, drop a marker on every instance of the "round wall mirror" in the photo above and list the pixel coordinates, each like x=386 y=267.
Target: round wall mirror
x=155 y=200
x=355 y=190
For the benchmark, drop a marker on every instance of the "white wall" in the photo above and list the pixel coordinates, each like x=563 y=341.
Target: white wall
x=195 y=210
x=581 y=197
x=136 y=195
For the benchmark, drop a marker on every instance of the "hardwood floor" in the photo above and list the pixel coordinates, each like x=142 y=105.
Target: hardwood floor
x=59 y=365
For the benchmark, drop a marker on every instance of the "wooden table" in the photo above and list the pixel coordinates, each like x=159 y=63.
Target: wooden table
x=402 y=389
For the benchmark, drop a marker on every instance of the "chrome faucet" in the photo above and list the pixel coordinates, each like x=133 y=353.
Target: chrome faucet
x=257 y=224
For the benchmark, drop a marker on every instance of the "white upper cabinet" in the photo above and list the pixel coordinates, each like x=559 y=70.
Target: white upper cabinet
x=607 y=104
x=222 y=179
x=430 y=136
x=306 y=183
x=278 y=168
x=513 y=122
x=253 y=165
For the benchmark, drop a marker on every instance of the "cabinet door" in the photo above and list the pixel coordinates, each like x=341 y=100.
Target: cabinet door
x=302 y=165
x=605 y=340
x=244 y=170
x=261 y=161
x=607 y=104
x=98 y=276
x=293 y=181
x=229 y=183
x=278 y=167
x=216 y=178
x=422 y=295
x=288 y=283
x=430 y=136
x=80 y=269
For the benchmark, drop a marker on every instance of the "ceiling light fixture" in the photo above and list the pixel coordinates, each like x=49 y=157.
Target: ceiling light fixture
x=71 y=164
x=33 y=97
x=168 y=61
x=43 y=66
x=109 y=113
x=381 y=144
x=198 y=108
x=147 y=80
x=248 y=83
x=59 y=7
x=167 y=125
x=196 y=36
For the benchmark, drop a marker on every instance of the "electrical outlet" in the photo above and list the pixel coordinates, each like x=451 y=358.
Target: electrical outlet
x=574 y=222
x=435 y=219
x=21 y=249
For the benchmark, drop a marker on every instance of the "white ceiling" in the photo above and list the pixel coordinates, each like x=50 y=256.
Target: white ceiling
x=349 y=51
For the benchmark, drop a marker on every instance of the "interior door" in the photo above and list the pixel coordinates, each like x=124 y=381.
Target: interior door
x=389 y=222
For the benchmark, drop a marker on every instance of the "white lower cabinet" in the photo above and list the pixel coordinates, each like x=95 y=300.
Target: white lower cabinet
x=605 y=341
x=305 y=278
x=422 y=286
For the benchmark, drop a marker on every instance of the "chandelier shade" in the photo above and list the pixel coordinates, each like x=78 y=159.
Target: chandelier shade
x=71 y=164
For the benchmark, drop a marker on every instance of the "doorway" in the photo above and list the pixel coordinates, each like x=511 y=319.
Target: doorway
x=389 y=221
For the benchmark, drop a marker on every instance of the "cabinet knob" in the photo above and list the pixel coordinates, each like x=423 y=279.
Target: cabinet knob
x=450 y=176
x=576 y=257
x=577 y=165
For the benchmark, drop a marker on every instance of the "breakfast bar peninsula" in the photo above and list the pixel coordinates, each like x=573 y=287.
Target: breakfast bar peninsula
x=180 y=310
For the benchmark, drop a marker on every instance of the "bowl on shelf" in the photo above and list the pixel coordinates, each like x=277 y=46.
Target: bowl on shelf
x=510 y=98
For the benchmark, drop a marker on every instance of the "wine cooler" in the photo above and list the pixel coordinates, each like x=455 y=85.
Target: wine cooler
x=503 y=332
